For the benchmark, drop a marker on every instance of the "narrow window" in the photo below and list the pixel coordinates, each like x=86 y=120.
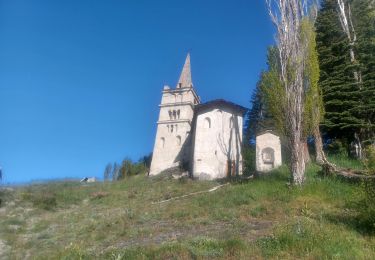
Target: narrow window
x=171 y=128
x=178 y=140
x=176 y=128
x=231 y=122
x=207 y=122
x=162 y=142
x=174 y=114
x=168 y=128
x=178 y=114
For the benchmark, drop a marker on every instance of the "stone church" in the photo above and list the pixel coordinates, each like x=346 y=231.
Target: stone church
x=203 y=138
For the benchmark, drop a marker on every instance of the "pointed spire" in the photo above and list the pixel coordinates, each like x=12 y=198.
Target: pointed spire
x=185 y=80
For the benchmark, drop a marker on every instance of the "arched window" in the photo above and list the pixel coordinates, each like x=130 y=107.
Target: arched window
x=171 y=128
x=178 y=114
x=178 y=140
x=174 y=114
x=162 y=142
x=207 y=122
x=170 y=114
x=175 y=126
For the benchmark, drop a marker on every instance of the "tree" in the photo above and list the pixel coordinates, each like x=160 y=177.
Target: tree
x=314 y=108
x=287 y=16
x=363 y=20
x=258 y=117
x=115 y=172
x=146 y=161
x=346 y=58
x=108 y=171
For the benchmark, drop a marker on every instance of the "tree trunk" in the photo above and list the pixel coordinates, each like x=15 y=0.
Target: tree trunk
x=297 y=162
x=358 y=145
x=306 y=153
x=320 y=156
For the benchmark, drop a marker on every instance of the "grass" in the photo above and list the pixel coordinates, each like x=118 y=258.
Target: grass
x=260 y=218
x=345 y=162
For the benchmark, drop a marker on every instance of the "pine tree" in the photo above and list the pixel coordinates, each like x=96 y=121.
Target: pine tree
x=364 y=24
x=258 y=117
x=348 y=103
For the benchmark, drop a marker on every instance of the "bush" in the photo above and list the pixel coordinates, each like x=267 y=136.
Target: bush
x=367 y=205
x=336 y=147
x=369 y=160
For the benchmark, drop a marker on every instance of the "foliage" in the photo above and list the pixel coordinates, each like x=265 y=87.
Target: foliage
x=369 y=160
x=258 y=118
x=349 y=106
x=366 y=205
x=314 y=109
x=248 y=158
x=273 y=90
x=364 y=24
x=337 y=147
x=127 y=168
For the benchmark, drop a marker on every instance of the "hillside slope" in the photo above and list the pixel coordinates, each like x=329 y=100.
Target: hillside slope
x=260 y=218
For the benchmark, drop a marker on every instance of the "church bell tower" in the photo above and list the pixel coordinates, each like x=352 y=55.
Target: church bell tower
x=173 y=139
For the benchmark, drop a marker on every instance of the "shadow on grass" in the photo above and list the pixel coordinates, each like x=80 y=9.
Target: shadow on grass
x=352 y=221
x=359 y=216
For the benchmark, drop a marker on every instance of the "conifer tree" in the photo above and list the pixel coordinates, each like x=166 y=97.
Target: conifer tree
x=258 y=117
x=347 y=68
x=364 y=24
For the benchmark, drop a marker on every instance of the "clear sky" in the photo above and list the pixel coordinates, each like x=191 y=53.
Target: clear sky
x=81 y=80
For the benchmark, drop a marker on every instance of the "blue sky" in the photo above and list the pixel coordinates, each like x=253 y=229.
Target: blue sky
x=81 y=80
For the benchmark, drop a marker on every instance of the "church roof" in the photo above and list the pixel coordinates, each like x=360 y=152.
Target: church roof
x=185 y=80
x=220 y=103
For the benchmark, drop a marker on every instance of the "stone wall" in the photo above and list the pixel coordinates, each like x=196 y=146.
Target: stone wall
x=217 y=144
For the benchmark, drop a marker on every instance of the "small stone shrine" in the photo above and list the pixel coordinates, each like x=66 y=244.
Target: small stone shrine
x=268 y=151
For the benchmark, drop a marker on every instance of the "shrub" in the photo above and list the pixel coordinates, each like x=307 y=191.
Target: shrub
x=367 y=204
x=369 y=160
x=337 y=147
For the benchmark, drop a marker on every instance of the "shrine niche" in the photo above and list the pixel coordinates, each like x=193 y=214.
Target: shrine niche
x=268 y=151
